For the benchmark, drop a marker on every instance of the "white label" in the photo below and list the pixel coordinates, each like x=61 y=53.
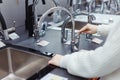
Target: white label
x=68 y=43
x=96 y=40
x=14 y=36
x=43 y=43
x=51 y=76
x=2 y=44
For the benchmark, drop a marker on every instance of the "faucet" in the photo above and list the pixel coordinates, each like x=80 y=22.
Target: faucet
x=64 y=32
x=35 y=30
x=38 y=28
x=4 y=31
x=74 y=38
x=104 y=5
x=90 y=19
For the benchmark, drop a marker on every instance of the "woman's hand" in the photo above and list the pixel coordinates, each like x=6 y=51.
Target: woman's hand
x=89 y=29
x=55 y=60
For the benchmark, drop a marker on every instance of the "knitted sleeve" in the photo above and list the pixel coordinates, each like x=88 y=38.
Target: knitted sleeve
x=95 y=63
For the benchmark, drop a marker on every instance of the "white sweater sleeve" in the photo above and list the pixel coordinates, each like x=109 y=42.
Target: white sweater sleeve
x=95 y=63
x=103 y=29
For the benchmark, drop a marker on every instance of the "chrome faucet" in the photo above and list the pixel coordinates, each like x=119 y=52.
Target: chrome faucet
x=38 y=29
x=64 y=32
x=74 y=38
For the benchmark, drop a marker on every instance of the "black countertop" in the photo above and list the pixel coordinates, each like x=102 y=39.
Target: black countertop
x=55 y=45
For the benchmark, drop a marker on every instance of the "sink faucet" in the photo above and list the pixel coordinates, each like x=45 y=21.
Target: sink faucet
x=38 y=28
x=64 y=35
x=64 y=32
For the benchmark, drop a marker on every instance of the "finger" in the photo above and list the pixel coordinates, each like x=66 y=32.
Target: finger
x=87 y=32
x=83 y=31
x=50 y=62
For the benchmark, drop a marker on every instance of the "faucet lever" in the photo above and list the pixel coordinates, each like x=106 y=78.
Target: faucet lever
x=91 y=18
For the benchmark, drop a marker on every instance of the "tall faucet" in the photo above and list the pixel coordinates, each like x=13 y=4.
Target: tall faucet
x=64 y=32
x=64 y=35
x=71 y=17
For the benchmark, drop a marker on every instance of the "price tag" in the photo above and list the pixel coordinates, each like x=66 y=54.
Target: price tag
x=43 y=43
x=2 y=44
x=97 y=40
x=68 y=43
x=14 y=36
x=51 y=76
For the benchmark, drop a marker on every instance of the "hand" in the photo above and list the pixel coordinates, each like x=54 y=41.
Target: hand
x=89 y=29
x=55 y=60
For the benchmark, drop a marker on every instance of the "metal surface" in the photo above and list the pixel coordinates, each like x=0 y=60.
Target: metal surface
x=78 y=25
x=22 y=64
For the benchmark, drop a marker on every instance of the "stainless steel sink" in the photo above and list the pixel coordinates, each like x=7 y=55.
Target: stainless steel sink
x=17 y=64
x=78 y=25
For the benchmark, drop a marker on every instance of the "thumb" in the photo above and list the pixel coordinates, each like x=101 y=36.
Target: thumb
x=50 y=62
x=82 y=30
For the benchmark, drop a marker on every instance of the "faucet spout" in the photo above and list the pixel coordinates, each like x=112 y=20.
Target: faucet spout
x=91 y=18
x=71 y=17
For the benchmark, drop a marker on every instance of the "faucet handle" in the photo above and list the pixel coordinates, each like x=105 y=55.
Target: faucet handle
x=91 y=18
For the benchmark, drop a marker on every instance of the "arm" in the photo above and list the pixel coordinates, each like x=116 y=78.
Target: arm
x=92 y=29
x=95 y=63
x=103 y=29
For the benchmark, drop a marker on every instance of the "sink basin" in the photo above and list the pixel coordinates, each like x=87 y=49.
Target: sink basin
x=78 y=25
x=17 y=64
